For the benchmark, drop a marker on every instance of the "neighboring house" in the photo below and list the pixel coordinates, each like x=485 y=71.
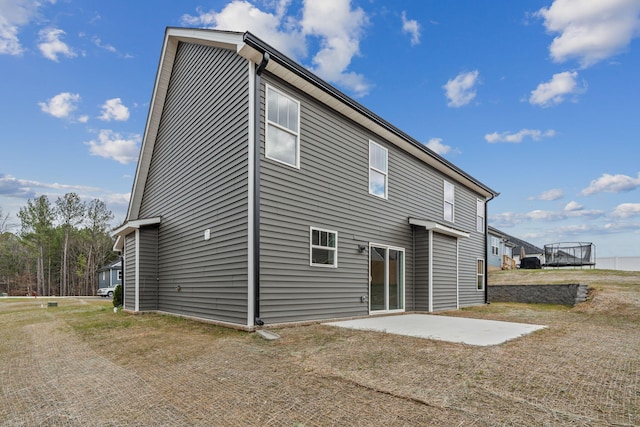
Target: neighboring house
x=519 y=248
x=110 y=275
x=499 y=250
x=263 y=195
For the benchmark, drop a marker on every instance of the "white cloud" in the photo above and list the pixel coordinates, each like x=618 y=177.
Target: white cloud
x=411 y=27
x=573 y=206
x=61 y=105
x=105 y=46
x=51 y=46
x=626 y=210
x=340 y=29
x=112 y=145
x=436 y=145
x=549 y=195
x=555 y=90
x=113 y=109
x=612 y=184
x=11 y=186
x=240 y=15
x=590 y=31
x=461 y=90
x=517 y=137
x=337 y=27
x=13 y=15
x=571 y=211
x=9 y=42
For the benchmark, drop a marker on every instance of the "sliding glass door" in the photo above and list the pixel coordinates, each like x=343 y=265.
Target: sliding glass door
x=386 y=273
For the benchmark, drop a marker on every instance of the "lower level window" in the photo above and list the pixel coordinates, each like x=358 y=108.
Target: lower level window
x=324 y=248
x=480 y=274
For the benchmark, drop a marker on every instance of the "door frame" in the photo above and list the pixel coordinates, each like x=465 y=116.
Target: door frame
x=386 y=284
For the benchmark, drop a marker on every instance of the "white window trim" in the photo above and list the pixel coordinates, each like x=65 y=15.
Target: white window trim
x=484 y=265
x=312 y=246
x=268 y=123
x=480 y=214
x=446 y=202
x=385 y=173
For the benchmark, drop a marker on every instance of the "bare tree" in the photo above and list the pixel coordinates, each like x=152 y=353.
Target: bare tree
x=97 y=222
x=37 y=223
x=4 y=222
x=70 y=211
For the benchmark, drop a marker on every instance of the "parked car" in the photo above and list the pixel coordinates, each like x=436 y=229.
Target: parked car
x=106 y=292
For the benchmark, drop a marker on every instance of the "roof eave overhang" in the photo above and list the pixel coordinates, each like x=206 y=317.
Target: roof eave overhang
x=438 y=228
x=128 y=227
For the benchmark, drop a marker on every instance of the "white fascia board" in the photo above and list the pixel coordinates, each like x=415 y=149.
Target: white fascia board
x=129 y=227
x=438 y=228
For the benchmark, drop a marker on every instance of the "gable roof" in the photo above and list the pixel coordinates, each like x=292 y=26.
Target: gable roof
x=115 y=265
x=518 y=243
x=253 y=49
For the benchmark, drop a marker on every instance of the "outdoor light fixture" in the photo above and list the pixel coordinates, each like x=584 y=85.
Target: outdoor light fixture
x=361 y=248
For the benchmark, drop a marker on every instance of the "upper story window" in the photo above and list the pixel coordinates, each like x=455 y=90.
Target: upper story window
x=480 y=216
x=378 y=168
x=283 y=128
x=449 y=201
x=324 y=248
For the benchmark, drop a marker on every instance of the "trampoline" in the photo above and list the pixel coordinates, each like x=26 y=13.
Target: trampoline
x=570 y=254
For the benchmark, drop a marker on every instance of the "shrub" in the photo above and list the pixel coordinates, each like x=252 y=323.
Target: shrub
x=117 y=296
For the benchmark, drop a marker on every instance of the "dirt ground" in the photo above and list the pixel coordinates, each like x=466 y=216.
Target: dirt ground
x=81 y=364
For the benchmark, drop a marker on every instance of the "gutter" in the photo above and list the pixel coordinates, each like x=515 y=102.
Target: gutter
x=256 y=197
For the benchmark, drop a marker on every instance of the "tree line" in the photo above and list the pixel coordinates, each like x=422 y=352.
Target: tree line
x=58 y=249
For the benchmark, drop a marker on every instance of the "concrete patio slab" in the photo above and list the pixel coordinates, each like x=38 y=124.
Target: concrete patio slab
x=478 y=332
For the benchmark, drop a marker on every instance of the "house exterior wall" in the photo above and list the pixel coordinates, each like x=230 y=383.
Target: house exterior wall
x=104 y=278
x=198 y=181
x=129 y=295
x=330 y=191
x=148 y=269
x=421 y=276
x=445 y=272
x=109 y=275
x=469 y=249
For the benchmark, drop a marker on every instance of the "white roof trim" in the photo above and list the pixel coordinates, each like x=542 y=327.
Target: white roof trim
x=438 y=228
x=128 y=227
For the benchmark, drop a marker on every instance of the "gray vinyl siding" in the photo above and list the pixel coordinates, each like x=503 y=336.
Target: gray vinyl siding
x=473 y=248
x=148 y=265
x=330 y=190
x=130 y=272
x=445 y=292
x=421 y=284
x=198 y=180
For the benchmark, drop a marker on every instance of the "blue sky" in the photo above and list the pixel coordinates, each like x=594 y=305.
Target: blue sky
x=539 y=100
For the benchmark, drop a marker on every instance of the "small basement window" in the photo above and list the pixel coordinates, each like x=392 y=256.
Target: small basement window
x=480 y=274
x=323 y=248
